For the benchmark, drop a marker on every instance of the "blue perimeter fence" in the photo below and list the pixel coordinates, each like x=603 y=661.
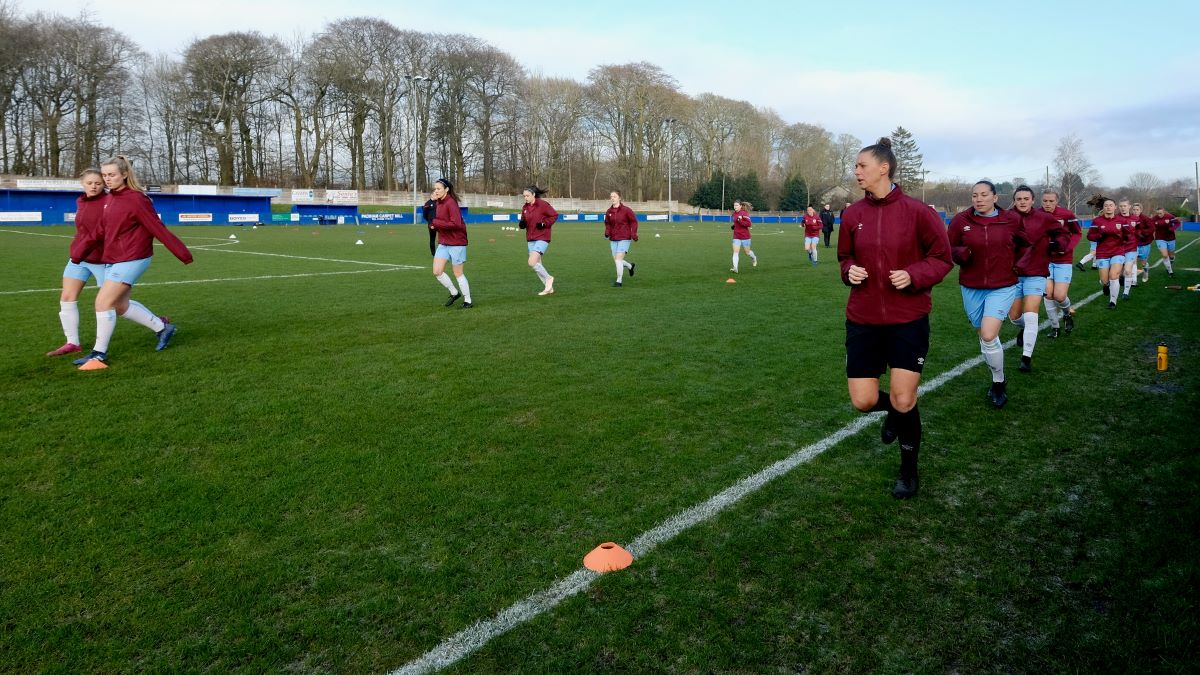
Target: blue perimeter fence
x=57 y=207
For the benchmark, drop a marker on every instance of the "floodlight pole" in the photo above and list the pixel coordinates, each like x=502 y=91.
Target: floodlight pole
x=670 y=152
x=413 y=81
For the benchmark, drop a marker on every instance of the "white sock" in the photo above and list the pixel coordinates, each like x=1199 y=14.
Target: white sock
x=1064 y=306
x=1031 y=329
x=1087 y=258
x=68 y=315
x=1167 y=262
x=620 y=270
x=993 y=355
x=1131 y=279
x=752 y=256
x=815 y=255
x=106 y=323
x=138 y=314
x=465 y=288
x=444 y=279
x=735 y=261
x=1052 y=311
x=1114 y=289
x=628 y=265
x=540 y=269
x=1019 y=322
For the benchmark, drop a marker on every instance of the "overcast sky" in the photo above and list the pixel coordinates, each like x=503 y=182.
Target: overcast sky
x=986 y=92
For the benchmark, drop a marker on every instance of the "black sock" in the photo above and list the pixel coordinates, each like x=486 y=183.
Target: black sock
x=908 y=427
x=908 y=430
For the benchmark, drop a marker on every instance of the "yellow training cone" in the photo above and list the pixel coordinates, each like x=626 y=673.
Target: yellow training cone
x=93 y=364
x=607 y=557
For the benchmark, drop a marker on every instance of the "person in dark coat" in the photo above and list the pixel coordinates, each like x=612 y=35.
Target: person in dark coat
x=826 y=223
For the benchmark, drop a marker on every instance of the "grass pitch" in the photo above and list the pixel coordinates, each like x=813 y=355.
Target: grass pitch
x=329 y=471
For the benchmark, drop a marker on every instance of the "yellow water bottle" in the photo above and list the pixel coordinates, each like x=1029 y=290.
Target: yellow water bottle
x=1162 y=356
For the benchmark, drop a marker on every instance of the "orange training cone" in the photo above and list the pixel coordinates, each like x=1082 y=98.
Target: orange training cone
x=731 y=280
x=93 y=364
x=607 y=557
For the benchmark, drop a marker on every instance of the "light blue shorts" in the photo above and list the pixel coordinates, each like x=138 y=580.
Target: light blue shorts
x=993 y=302
x=744 y=243
x=1164 y=243
x=538 y=246
x=127 y=272
x=1031 y=286
x=812 y=240
x=1094 y=244
x=620 y=246
x=1061 y=273
x=84 y=271
x=1115 y=261
x=455 y=254
x=1144 y=251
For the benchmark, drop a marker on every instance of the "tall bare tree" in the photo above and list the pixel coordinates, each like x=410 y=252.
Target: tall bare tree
x=555 y=106
x=1074 y=170
x=628 y=102
x=222 y=72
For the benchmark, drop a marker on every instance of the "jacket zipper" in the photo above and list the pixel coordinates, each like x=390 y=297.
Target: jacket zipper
x=986 y=245
x=879 y=244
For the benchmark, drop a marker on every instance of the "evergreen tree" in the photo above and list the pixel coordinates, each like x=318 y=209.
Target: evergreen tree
x=908 y=174
x=708 y=193
x=746 y=188
x=795 y=195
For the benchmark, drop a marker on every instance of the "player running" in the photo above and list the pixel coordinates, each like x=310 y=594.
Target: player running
x=620 y=229
x=1108 y=231
x=812 y=234
x=537 y=216
x=452 y=243
x=986 y=242
x=741 y=233
x=1058 y=303
x=893 y=250
x=1046 y=236
x=128 y=227
x=1165 y=225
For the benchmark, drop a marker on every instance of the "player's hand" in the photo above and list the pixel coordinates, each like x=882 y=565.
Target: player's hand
x=635 y=237
x=856 y=274
x=900 y=279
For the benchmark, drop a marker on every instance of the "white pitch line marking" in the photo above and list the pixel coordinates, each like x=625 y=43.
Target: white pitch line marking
x=301 y=257
x=469 y=640
x=206 y=247
x=40 y=234
x=397 y=268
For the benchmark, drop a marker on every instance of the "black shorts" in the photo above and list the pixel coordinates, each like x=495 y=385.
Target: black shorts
x=871 y=350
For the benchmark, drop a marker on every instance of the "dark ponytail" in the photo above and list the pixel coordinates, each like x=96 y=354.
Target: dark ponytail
x=882 y=152
x=535 y=191
x=449 y=188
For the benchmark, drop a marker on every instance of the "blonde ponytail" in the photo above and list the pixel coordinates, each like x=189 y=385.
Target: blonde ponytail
x=125 y=167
